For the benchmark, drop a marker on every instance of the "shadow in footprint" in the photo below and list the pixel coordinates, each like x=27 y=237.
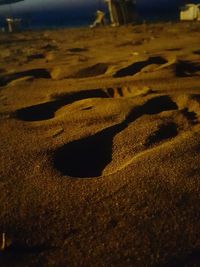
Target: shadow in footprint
x=35 y=56
x=164 y=132
x=184 y=68
x=20 y=249
x=190 y=115
x=190 y=260
x=36 y=73
x=18 y=253
x=138 y=66
x=197 y=52
x=86 y=157
x=77 y=49
x=46 y=110
x=173 y=49
x=89 y=156
x=50 y=47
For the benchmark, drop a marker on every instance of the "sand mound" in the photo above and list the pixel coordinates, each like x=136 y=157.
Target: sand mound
x=92 y=71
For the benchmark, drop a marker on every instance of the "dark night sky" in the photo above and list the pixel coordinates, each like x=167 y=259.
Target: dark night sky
x=32 y=5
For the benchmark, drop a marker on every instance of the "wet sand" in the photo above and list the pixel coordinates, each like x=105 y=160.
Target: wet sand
x=100 y=147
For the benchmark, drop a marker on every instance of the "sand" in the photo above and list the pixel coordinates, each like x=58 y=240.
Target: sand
x=100 y=147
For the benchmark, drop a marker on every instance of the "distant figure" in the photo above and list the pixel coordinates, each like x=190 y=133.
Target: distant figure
x=99 y=20
x=13 y=24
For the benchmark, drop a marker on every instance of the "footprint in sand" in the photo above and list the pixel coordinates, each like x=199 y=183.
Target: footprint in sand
x=35 y=73
x=173 y=49
x=185 y=68
x=181 y=68
x=138 y=66
x=88 y=157
x=45 y=111
x=91 y=156
x=35 y=56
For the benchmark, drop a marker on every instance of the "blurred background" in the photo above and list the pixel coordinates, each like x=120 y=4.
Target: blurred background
x=39 y=14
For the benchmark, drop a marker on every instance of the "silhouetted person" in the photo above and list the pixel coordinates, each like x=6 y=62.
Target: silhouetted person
x=99 y=20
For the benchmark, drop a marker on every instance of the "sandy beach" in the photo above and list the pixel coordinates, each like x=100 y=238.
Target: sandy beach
x=100 y=147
